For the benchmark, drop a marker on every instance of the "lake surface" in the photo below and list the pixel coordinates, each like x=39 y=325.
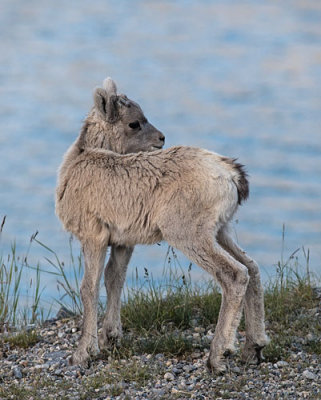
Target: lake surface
x=239 y=78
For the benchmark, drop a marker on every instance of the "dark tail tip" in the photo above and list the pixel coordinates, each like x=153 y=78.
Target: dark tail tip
x=243 y=189
x=242 y=182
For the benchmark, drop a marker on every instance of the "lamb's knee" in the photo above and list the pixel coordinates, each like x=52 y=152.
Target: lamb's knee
x=84 y=291
x=234 y=282
x=244 y=277
x=88 y=291
x=241 y=281
x=254 y=273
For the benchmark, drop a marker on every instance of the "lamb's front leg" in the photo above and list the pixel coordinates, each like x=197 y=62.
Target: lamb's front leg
x=94 y=255
x=115 y=274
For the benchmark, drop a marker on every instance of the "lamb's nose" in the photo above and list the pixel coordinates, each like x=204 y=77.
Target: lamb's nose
x=161 y=137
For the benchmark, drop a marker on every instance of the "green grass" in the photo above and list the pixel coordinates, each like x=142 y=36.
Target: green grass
x=22 y=339
x=171 y=344
x=21 y=289
x=14 y=309
x=174 y=299
x=288 y=299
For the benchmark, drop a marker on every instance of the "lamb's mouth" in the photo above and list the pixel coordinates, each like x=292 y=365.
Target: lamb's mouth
x=156 y=147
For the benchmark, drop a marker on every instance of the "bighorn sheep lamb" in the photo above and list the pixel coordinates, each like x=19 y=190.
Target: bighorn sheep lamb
x=183 y=195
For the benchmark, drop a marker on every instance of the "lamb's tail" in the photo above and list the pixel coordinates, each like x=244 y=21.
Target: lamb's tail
x=240 y=179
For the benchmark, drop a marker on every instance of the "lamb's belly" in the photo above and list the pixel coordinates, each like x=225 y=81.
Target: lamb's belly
x=130 y=236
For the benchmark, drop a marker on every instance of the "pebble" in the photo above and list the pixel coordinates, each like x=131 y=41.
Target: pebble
x=169 y=376
x=281 y=364
x=59 y=372
x=158 y=392
x=182 y=385
x=309 y=375
x=177 y=370
x=17 y=373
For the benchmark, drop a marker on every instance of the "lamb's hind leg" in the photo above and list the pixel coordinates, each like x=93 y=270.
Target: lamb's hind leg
x=233 y=279
x=256 y=337
x=115 y=274
x=94 y=254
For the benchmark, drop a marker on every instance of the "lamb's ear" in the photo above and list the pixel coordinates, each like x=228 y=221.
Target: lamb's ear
x=106 y=105
x=110 y=86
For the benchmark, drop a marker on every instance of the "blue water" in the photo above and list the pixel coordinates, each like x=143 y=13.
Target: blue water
x=238 y=78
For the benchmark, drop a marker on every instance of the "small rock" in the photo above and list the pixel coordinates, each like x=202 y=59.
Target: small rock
x=58 y=371
x=64 y=313
x=17 y=373
x=30 y=327
x=107 y=386
x=309 y=337
x=169 y=376
x=24 y=363
x=177 y=370
x=309 y=375
x=182 y=385
x=317 y=292
x=42 y=366
x=281 y=364
x=158 y=392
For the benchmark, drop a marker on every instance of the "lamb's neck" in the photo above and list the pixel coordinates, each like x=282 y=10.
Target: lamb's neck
x=99 y=135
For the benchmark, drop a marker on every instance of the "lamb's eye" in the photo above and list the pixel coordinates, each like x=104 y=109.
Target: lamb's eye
x=134 y=125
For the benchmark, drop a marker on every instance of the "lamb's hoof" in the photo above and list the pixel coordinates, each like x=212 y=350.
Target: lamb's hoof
x=252 y=354
x=229 y=352
x=215 y=366
x=80 y=357
x=108 y=339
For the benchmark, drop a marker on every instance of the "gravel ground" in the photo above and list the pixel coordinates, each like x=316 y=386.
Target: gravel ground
x=42 y=371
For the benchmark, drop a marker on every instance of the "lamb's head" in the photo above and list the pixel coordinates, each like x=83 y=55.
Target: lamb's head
x=117 y=123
